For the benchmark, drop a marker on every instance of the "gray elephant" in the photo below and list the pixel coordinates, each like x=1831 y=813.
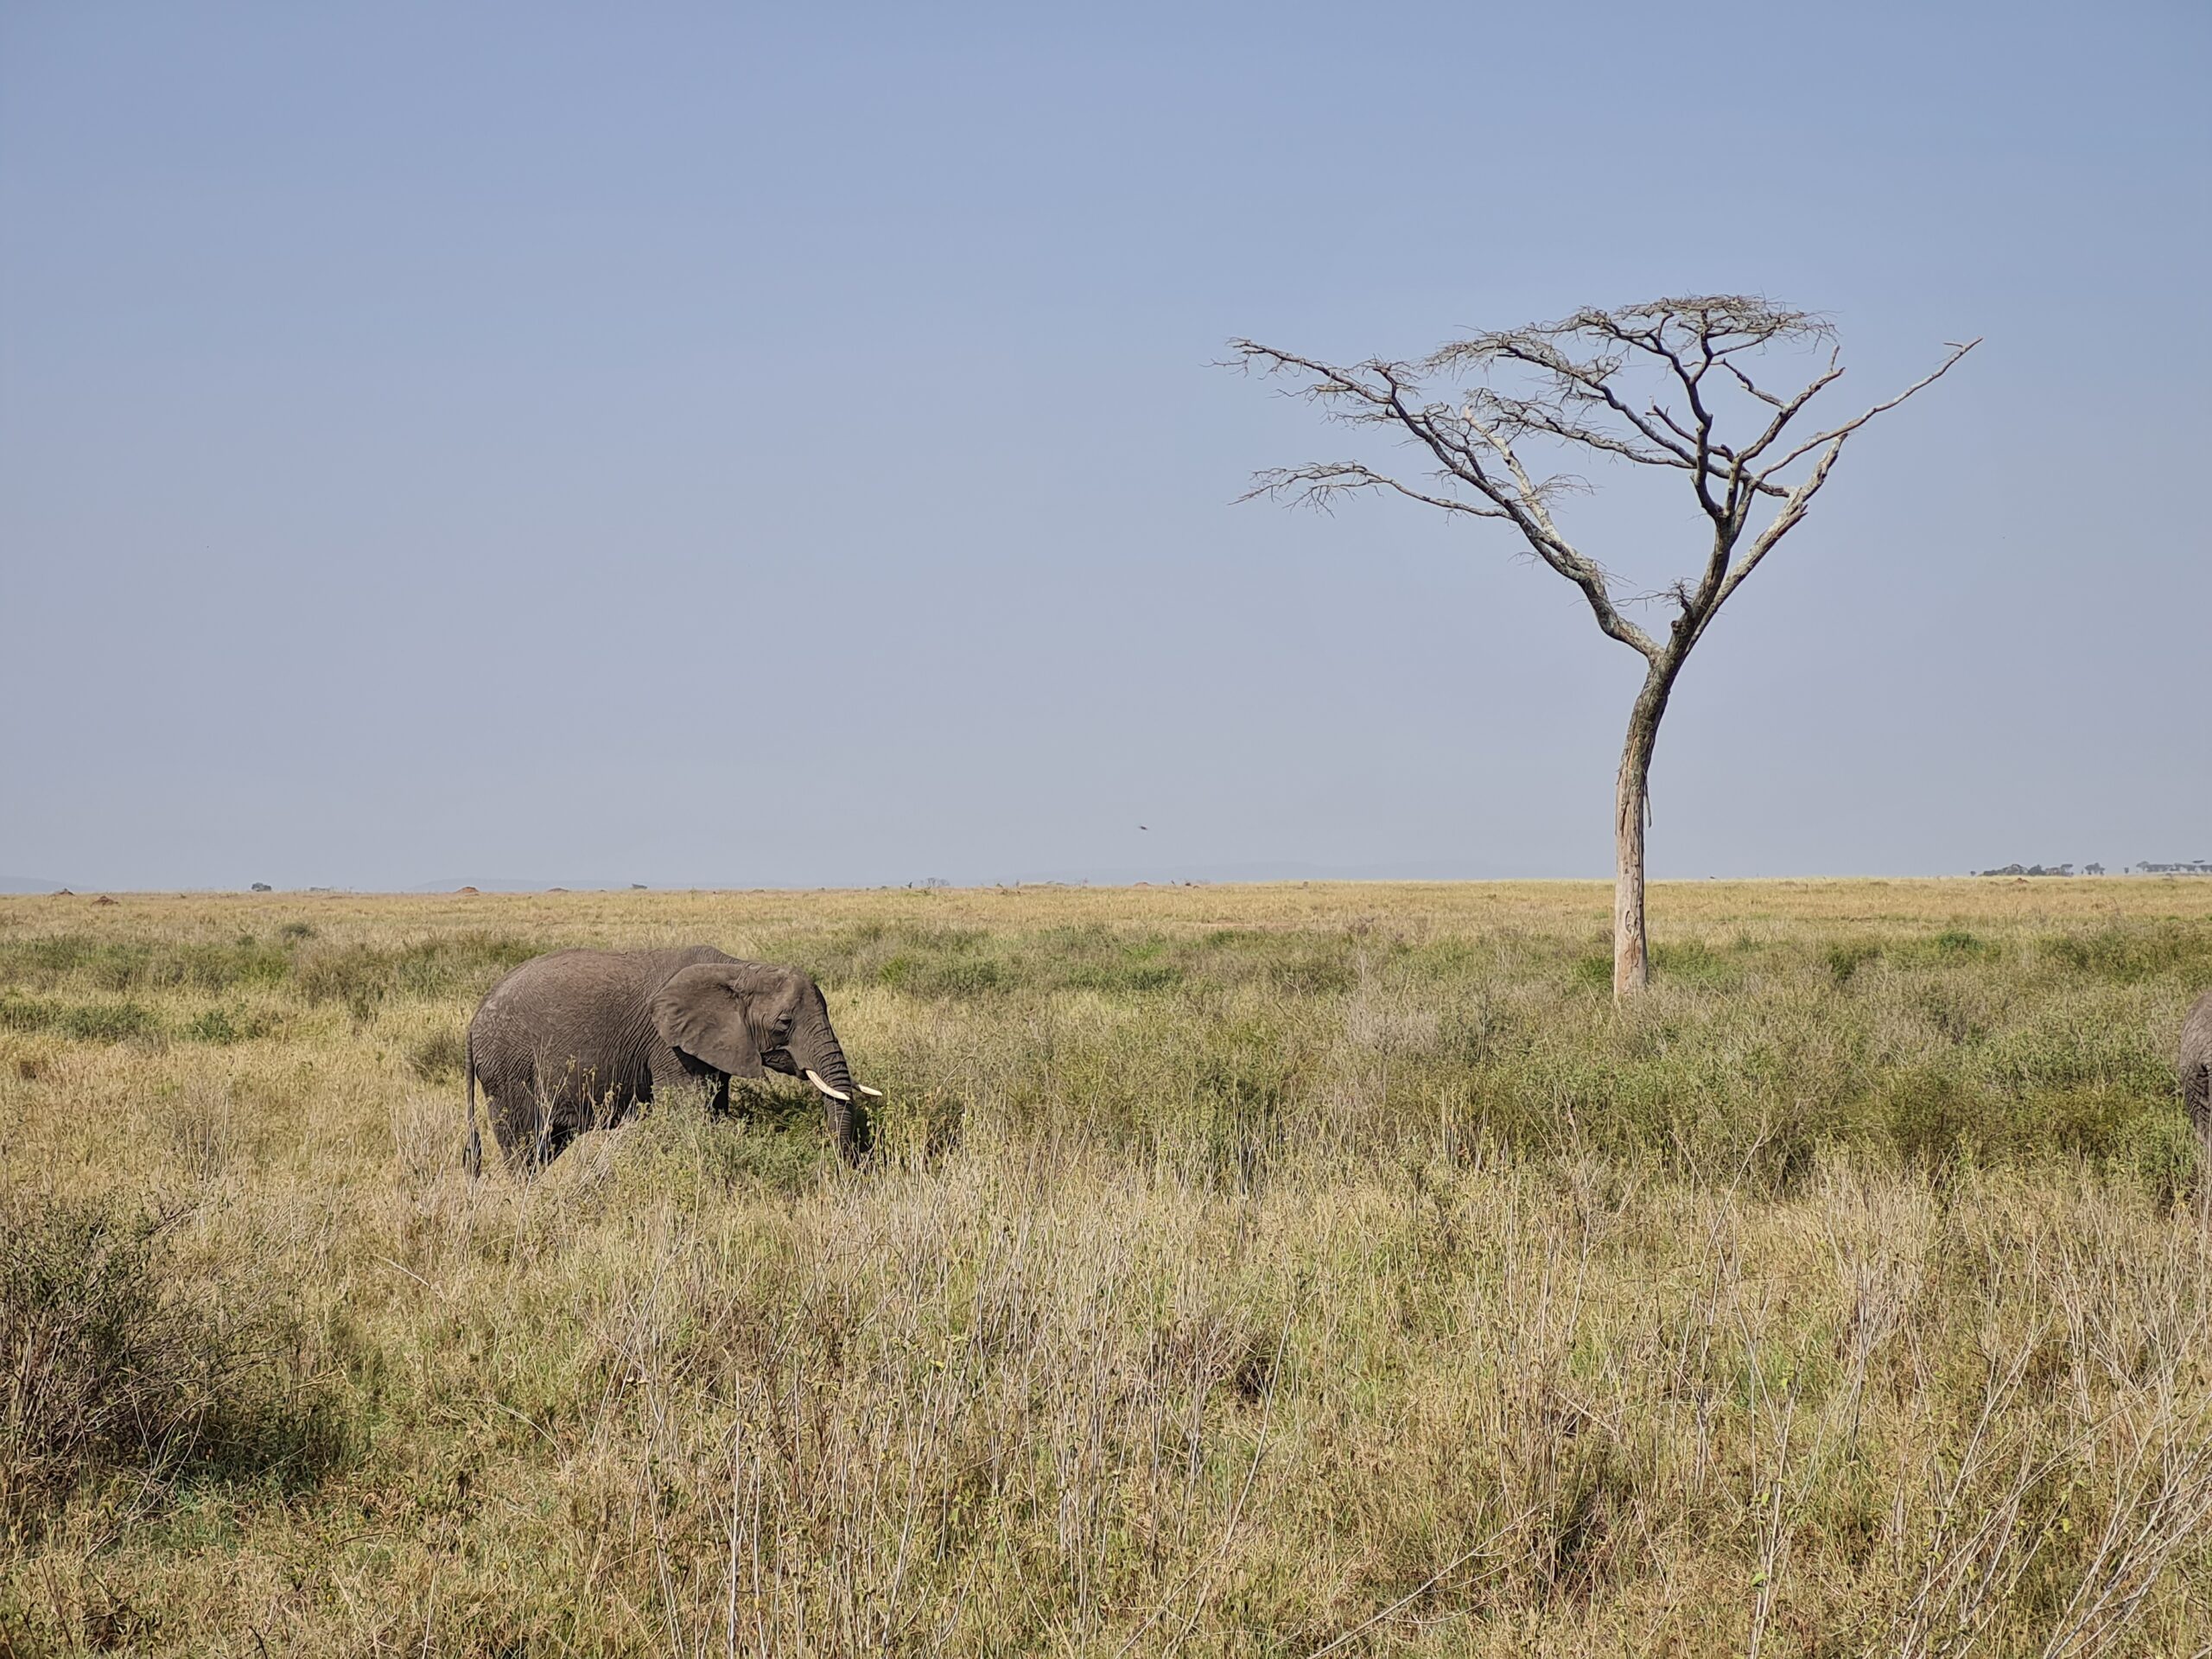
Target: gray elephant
x=2196 y=1081
x=575 y=1039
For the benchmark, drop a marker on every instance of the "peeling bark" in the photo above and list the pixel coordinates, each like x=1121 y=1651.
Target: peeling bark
x=1631 y=815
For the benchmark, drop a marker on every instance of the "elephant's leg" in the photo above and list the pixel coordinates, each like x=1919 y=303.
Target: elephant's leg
x=556 y=1124
x=522 y=1117
x=501 y=1096
x=515 y=1119
x=2197 y=1095
x=2204 y=1173
x=673 y=1075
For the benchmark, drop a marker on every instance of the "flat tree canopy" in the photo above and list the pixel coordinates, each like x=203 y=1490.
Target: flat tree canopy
x=1658 y=384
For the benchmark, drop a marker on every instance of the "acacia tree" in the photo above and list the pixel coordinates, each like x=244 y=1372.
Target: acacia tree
x=1653 y=384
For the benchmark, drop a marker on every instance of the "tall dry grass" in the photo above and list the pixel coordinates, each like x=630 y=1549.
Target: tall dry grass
x=1270 y=1270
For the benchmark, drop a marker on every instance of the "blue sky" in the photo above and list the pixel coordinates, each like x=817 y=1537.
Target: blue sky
x=736 y=446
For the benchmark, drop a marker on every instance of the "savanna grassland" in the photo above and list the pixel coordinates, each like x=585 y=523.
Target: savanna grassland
x=1260 y=1270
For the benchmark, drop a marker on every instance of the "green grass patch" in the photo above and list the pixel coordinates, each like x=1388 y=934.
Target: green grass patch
x=361 y=976
x=2130 y=955
x=90 y=1022
x=119 y=965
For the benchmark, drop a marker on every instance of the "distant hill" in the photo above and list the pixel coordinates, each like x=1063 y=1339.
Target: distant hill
x=29 y=884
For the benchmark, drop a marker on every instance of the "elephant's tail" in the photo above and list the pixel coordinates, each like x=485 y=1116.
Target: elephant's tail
x=472 y=1157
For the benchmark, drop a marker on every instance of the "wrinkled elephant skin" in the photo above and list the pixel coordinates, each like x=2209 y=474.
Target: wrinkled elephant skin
x=579 y=1038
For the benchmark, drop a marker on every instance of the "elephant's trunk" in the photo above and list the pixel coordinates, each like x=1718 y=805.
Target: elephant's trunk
x=822 y=1062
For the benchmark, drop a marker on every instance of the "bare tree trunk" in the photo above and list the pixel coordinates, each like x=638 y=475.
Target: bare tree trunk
x=1631 y=964
x=1631 y=811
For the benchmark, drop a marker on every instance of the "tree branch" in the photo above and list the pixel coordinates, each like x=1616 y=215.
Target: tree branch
x=1851 y=426
x=1314 y=484
x=1580 y=367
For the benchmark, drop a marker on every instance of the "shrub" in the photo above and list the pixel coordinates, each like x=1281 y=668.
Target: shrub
x=221 y=1026
x=1936 y=1120
x=679 y=1150
x=440 y=1057
x=107 y=1362
x=1846 y=960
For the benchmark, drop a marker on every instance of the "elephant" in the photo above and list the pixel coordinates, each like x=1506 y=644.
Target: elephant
x=577 y=1039
x=2197 y=1082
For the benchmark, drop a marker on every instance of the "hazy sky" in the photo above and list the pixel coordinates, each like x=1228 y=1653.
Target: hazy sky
x=740 y=445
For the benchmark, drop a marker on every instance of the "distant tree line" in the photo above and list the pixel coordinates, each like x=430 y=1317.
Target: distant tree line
x=2193 y=867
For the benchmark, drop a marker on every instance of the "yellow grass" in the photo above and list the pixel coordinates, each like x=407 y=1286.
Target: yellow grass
x=1275 y=1270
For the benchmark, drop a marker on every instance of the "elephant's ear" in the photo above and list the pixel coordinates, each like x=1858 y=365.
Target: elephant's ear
x=702 y=1012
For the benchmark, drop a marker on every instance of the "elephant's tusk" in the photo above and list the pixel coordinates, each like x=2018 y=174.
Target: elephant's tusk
x=873 y=1094
x=845 y=1100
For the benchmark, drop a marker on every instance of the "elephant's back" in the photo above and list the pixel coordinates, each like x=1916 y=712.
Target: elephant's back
x=607 y=969
x=562 y=986
x=572 y=1014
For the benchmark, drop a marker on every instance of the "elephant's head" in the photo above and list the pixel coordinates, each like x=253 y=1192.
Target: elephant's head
x=745 y=1018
